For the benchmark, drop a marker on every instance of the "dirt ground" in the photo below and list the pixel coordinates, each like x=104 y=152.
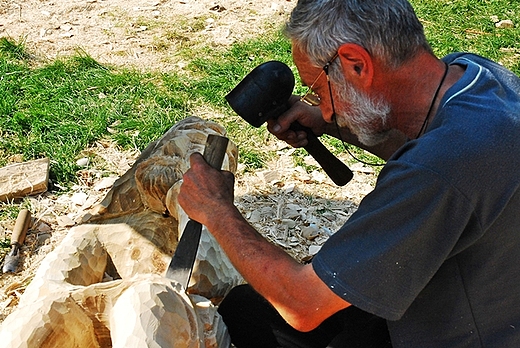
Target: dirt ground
x=133 y=32
x=292 y=208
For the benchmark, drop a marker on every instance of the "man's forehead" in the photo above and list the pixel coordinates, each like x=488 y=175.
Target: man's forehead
x=303 y=63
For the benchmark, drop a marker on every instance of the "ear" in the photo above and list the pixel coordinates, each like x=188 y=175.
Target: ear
x=357 y=64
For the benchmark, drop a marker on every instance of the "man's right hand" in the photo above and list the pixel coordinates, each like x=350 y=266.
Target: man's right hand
x=306 y=115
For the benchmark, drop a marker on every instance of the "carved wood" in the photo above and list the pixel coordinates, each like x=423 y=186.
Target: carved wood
x=104 y=284
x=21 y=179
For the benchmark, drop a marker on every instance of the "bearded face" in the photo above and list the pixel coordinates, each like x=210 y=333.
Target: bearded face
x=365 y=117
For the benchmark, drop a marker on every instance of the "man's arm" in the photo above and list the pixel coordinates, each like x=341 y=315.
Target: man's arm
x=295 y=290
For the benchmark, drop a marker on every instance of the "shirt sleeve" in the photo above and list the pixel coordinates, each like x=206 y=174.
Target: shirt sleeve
x=402 y=232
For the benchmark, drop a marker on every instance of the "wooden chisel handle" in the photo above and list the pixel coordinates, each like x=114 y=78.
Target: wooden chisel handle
x=21 y=226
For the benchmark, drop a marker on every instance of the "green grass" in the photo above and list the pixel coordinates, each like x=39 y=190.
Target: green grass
x=59 y=108
x=464 y=25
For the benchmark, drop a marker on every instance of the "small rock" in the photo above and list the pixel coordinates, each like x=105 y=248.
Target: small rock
x=506 y=23
x=313 y=249
x=83 y=162
x=42 y=227
x=79 y=198
x=43 y=237
x=289 y=188
x=310 y=232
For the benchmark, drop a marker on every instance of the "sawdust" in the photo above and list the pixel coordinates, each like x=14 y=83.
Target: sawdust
x=289 y=206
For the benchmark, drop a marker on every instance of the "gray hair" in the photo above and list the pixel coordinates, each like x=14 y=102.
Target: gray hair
x=387 y=29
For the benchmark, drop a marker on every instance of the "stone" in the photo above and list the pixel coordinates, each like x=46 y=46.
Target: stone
x=506 y=23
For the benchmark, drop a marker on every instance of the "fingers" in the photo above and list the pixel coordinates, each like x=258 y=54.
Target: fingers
x=197 y=159
x=302 y=113
x=205 y=190
x=295 y=139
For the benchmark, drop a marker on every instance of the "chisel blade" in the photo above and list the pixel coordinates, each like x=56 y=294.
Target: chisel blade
x=184 y=257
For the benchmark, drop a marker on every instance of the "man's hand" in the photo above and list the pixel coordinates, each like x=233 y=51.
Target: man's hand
x=305 y=115
x=205 y=191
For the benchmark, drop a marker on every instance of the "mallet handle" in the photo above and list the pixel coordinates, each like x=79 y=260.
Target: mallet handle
x=339 y=173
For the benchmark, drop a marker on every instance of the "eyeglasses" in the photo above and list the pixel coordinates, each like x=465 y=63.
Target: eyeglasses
x=311 y=98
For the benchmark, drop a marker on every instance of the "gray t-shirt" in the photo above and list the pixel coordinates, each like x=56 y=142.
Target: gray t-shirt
x=435 y=247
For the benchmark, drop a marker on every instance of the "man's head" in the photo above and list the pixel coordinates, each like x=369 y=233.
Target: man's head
x=387 y=31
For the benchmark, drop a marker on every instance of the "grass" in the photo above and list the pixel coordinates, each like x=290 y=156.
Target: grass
x=60 y=108
x=469 y=26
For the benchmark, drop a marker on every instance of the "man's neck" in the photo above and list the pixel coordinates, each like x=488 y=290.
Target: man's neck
x=411 y=89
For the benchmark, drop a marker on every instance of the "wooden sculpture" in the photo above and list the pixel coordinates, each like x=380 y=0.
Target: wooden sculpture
x=104 y=284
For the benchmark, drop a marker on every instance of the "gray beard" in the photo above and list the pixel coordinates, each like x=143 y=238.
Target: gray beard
x=363 y=116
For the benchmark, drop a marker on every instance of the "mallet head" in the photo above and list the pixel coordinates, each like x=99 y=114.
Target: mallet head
x=263 y=93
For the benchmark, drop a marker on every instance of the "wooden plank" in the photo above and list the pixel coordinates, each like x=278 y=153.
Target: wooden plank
x=23 y=179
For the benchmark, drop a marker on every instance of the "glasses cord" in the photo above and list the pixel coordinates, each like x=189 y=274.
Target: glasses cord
x=346 y=147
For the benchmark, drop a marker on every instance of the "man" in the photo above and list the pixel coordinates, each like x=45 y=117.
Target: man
x=435 y=248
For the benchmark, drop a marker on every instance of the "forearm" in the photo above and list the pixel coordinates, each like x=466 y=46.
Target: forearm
x=302 y=299
x=295 y=290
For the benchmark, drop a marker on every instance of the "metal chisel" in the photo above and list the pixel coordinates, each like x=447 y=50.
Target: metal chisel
x=183 y=259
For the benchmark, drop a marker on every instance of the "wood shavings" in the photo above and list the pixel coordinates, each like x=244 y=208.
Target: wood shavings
x=301 y=211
